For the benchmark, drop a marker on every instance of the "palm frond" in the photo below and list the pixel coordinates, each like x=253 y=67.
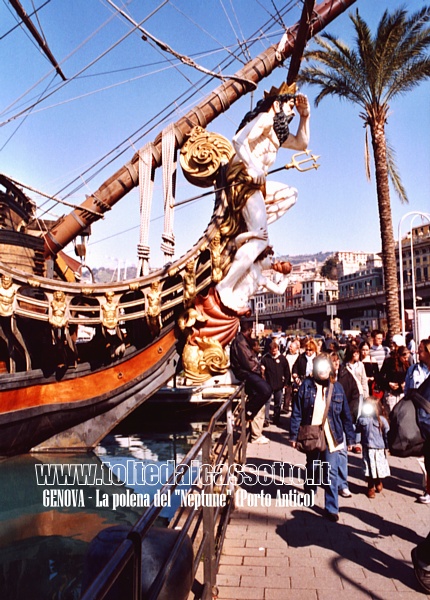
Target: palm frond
x=394 y=174
x=343 y=72
x=366 y=51
x=402 y=42
x=336 y=55
x=366 y=152
x=408 y=78
x=332 y=83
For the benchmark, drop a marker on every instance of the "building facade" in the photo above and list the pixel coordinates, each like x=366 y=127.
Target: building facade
x=415 y=255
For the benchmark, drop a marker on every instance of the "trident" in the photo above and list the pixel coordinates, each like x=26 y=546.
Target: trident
x=294 y=164
x=297 y=164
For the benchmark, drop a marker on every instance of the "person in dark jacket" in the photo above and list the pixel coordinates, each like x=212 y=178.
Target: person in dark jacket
x=350 y=387
x=309 y=410
x=421 y=553
x=392 y=376
x=303 y=365
x=276 y=372
x=246 y=367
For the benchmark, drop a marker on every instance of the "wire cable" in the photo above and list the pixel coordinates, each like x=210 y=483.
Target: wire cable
x=19 y=24
x=175 y=103
x=25 y=117
x=94 y=61
x=182 y=57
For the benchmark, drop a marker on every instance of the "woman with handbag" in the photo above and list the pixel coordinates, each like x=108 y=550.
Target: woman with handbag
x=393 y=375
x=372 y=370
x=319 y=420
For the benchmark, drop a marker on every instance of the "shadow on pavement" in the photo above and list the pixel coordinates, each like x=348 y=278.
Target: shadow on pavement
x=353 y=545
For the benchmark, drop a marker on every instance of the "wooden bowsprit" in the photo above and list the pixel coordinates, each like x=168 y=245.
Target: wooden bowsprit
x=314 y=19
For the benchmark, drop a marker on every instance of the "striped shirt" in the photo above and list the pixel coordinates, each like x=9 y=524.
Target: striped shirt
x=379 y=353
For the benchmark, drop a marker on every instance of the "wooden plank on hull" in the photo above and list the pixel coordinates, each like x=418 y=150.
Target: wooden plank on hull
x=87 y=434
x=89 y=386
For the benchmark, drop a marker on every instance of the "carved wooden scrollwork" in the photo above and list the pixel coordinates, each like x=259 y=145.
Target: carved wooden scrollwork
x=202 y=155
x=204 y=359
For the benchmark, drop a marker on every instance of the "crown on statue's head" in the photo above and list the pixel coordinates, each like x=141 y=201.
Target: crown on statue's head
x=283 y=90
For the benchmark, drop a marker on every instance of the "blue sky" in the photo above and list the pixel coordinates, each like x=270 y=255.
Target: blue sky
x=73 y=128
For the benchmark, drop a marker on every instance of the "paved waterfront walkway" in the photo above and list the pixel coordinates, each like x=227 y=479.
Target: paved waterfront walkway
x=295 y=553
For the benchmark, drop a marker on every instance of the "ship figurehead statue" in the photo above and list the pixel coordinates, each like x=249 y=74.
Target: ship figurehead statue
x=58 y=318
x=9 y=331
x=241 y=254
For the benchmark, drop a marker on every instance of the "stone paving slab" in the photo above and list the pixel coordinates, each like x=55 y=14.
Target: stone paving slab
x=293 y=553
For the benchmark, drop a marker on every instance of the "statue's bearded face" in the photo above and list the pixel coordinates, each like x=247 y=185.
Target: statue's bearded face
x=280 y=125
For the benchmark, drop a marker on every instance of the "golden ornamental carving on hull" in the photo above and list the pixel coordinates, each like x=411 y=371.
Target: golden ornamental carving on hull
x=204 y=359
x=189 y=280
x=203 y=154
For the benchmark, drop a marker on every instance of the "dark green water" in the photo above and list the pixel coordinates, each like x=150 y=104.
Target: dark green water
x=43 y=546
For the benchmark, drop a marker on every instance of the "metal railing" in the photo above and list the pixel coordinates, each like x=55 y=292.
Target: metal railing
x=205 y=526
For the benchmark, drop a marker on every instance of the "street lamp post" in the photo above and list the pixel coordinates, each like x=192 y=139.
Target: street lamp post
x=331 y=311
x=259 y=306
x=412 y=214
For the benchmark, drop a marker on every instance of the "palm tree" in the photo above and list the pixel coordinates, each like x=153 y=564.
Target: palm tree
x=374 y=72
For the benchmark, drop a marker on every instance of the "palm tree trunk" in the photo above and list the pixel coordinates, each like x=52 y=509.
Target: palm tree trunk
x=377 y=128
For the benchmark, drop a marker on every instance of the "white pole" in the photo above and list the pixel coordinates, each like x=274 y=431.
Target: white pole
x=402 y=293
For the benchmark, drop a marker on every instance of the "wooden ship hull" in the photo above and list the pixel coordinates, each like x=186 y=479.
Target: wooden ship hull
x=48 y=406
x=70 y=397
x=57 y=391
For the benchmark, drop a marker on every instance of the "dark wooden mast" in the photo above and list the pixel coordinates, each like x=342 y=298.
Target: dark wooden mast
x=301 y=39
x=32 y=29
x=126 y=178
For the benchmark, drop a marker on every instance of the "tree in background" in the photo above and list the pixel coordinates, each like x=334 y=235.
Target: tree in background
x=329 y=268
x=378 y=69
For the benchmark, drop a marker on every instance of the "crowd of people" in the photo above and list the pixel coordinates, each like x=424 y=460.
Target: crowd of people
x=345 y=390
x=369 y=375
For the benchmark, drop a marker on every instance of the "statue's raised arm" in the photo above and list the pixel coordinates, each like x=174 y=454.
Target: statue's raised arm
x=300 y=141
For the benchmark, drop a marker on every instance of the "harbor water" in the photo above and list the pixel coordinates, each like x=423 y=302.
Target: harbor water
x=53 y=505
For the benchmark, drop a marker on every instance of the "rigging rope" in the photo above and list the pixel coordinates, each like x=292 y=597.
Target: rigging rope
x=57 y=200
x=19 y=23
x=177 y=102
x=198 y=26
x=99 y=57
x=242 y=45
x=182 y=57
x=169 y=154
x=38 y=20
x=146 y=187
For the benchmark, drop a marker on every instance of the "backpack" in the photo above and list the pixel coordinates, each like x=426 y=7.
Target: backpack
x=404 y=436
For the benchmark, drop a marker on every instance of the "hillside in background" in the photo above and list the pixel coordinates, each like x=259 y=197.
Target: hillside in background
x=107 y=275
x=300 y=258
